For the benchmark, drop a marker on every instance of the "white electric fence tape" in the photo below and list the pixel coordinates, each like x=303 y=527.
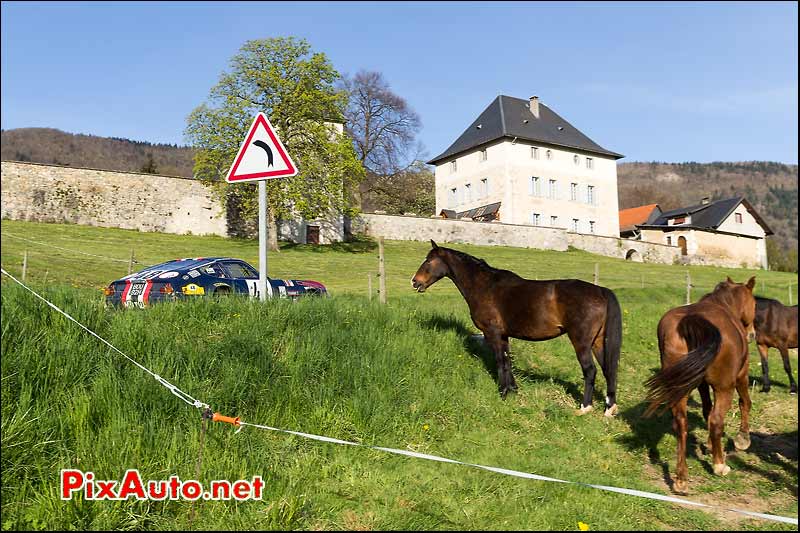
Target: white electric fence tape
x=630 y=492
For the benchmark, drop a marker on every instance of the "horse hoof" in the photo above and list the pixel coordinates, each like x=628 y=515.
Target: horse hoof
x=681 y=487
x=721 y=469
x=583 y=410
x=793 y=390
x=611 y=411
x=741 y=441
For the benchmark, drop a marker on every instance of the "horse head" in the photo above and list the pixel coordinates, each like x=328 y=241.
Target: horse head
x=740 y=299
x=431 y=270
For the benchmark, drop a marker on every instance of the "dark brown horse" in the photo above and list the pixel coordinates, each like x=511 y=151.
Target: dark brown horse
x=705 y=345
x=504 y=305
x=776 y=327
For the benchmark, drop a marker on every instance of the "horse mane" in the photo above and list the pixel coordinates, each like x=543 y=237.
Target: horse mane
x=722 y=294
x=471 y=259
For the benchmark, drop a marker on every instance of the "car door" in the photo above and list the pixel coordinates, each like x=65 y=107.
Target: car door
x=242 y=276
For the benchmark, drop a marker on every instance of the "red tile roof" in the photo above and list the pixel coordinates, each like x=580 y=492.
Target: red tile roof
x=635 y=215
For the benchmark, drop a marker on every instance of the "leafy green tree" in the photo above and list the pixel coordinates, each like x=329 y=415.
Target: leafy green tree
x=295 y=87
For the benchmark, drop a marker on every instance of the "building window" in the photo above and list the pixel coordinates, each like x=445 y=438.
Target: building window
x=575 y=225
x=534 y=152
x=452 y=197
x=536 y=219
x=483 y=155
x=453 y=166
x=554 y=221
x=738 y=217
x=573 y=192
x=553 y=190
x=536 y=186
x=589 y=163
x=669 y=240
x=467 y=193
x=590 y=199
x=577 y=160
x=591 y=226
x=679 y=220
x=549 y=155
x=484 y=192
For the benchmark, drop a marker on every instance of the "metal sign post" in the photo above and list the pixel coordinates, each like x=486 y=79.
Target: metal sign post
x=262 y=156
x=262 y=240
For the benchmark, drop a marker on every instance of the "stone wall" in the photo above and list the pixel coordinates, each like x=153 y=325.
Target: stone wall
x=129 y=200
x=522 y=236
x=639 y=251
x=407 y=228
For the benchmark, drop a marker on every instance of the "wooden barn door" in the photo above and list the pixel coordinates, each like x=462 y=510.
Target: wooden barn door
x=682 y=244
x=312 y=234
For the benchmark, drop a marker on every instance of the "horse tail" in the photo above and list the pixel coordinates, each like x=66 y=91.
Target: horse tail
x=612 y=344
x=671 y=384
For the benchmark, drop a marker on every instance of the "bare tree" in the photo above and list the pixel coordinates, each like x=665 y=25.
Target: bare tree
x=383 y=128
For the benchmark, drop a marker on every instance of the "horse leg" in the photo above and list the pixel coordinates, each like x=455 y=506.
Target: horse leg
x=507 y=362
x=611 y=381
x=681 y=427
x=716 y=427
x=787 y=365
x=499 y=347
x=742 y=439
x=763 y=349
x=583 y=349
x=705 y=397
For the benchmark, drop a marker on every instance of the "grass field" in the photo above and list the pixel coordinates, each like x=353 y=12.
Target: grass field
x=404 y=375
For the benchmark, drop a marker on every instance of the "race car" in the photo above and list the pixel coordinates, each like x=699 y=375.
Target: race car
x=201 y=276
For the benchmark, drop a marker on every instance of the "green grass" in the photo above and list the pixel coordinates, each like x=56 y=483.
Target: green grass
x=352 y=369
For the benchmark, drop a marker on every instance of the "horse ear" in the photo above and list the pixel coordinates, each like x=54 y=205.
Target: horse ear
x=730 y=280
x=434 y=245
x=751 y=283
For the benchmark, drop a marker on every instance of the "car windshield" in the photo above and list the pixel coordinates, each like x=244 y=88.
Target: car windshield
x=240 y=270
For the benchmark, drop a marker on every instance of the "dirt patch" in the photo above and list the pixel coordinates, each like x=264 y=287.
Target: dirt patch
x=771 y=456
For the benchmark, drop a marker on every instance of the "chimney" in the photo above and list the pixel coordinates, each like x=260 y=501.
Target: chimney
x=705 y=201
x=535 y=106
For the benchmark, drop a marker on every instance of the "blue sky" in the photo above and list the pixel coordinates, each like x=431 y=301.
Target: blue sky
x=666 y=82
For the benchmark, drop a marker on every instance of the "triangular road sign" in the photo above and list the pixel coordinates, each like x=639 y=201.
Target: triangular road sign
x=262 y=156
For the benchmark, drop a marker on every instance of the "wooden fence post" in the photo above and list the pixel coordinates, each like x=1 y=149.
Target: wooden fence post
x=130 y=263
x=25 y=265
x=688 y=288
x=381 y=271
x=369 y=285
x=596 y=273
x=790 y=293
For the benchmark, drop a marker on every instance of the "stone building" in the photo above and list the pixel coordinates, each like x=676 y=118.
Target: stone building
x=540 y=168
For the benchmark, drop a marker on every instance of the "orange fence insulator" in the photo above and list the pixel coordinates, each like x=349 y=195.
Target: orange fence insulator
x=229 y=419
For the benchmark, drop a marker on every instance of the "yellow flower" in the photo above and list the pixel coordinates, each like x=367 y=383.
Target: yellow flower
x=426 y=427
x=583 y=527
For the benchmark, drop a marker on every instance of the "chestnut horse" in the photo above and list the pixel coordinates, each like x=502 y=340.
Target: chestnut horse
x=705 y=345
x=776 y=327
x=504 y=305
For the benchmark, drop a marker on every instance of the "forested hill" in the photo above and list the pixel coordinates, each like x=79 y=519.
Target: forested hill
x=51 y=146
x=770 y=187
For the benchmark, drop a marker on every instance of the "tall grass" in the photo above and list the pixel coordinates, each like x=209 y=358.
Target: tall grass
x=406 y=375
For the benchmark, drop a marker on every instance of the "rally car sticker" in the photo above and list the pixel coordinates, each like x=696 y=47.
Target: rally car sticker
x=193 y=273
x=193 y=289
x=168 y=275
